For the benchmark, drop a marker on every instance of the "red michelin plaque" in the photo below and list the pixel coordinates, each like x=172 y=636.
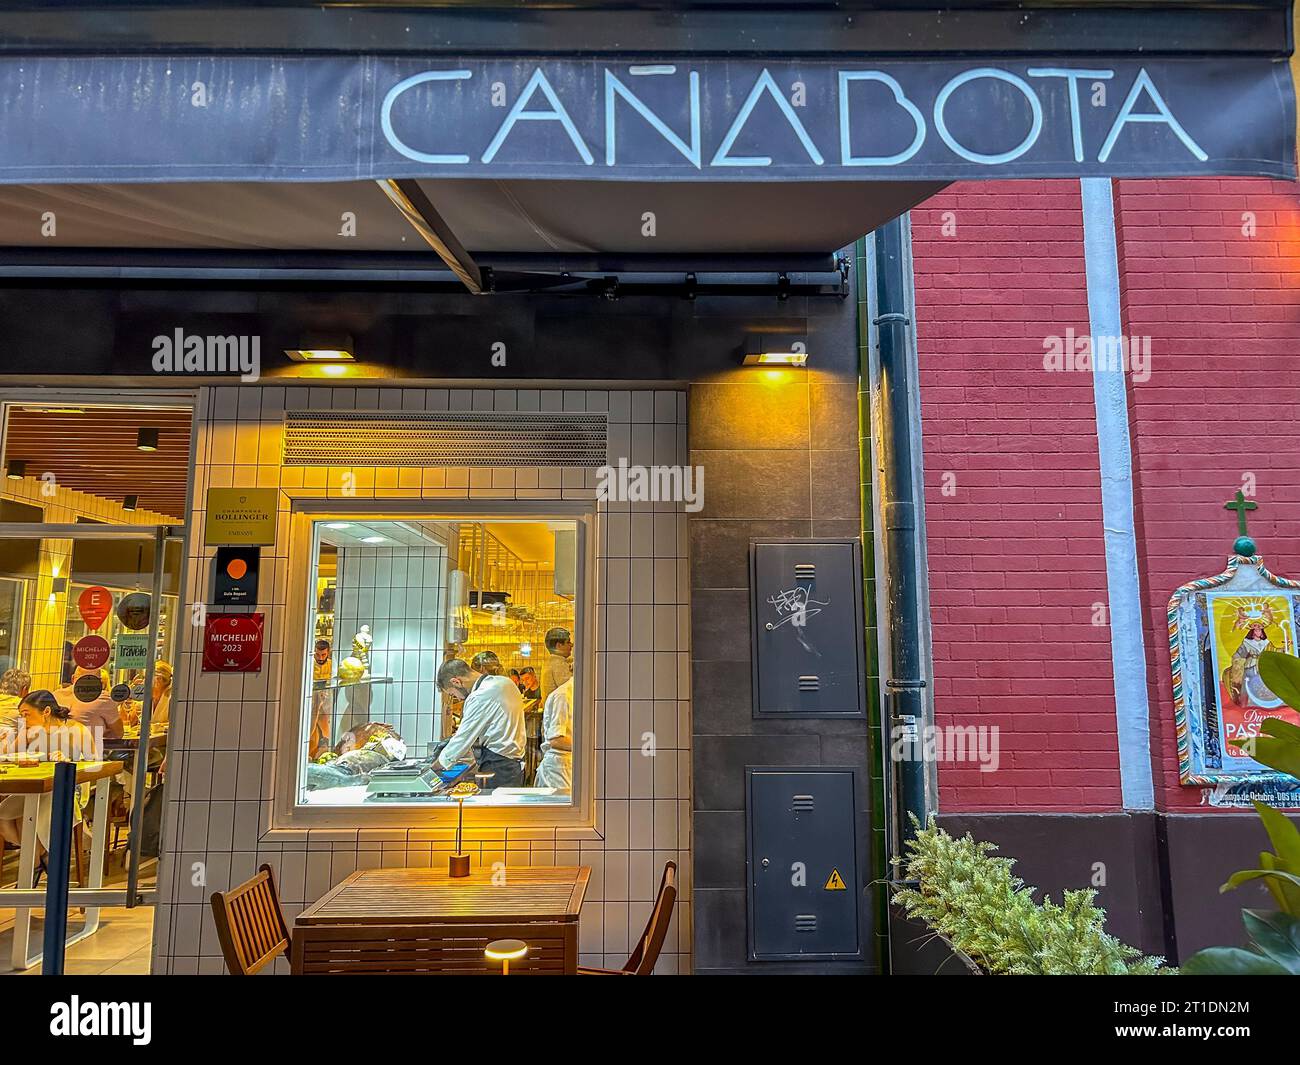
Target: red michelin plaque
x=232 y=643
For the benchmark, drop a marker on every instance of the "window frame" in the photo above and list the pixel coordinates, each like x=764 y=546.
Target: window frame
x=289 y=815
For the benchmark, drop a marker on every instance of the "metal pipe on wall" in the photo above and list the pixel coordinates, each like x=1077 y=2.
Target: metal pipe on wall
x=905 y=682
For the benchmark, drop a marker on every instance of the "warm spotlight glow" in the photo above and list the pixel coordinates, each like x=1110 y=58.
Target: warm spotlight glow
x=319 y=354
x=777 y=358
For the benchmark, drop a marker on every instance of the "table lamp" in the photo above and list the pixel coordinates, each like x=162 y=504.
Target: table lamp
x=505 y=951
x=458 y=863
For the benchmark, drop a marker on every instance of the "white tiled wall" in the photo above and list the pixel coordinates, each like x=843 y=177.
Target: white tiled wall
x=397 y=591
x=225 y=727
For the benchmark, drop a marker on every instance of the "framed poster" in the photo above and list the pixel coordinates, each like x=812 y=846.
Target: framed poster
x=1218 y=628
x=232 y=643
x=1241 y=627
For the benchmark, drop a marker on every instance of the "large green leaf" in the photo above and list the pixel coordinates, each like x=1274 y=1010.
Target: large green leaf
x=1230 y=961
x=1275 y=876
x=1278 y=746
x=1276 y=935
x=1284 y=835
x=1276 y=887
x=1282 y=674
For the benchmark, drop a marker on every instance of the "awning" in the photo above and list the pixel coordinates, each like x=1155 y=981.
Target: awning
x=695 y=119
x=557 y=218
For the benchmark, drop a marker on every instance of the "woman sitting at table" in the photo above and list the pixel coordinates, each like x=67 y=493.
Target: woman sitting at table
x=47 y=732
x=162 y=698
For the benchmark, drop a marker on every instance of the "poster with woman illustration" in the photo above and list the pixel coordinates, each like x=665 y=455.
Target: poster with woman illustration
x=1242 y=627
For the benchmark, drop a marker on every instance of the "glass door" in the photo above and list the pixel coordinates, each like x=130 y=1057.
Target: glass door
x=92 y=529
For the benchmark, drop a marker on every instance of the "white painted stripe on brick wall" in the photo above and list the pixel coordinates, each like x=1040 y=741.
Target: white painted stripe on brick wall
x=1128 y=653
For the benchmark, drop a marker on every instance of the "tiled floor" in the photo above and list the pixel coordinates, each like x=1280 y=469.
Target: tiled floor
x=120 y=947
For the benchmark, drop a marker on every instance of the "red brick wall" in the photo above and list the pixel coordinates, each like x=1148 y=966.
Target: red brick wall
x=1015 y=551
x=1223 y=313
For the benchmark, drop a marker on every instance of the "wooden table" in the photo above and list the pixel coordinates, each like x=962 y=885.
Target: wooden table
x=34 y=783
x=422 y=921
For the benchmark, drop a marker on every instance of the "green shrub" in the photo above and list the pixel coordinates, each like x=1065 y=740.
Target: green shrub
x=973 y=900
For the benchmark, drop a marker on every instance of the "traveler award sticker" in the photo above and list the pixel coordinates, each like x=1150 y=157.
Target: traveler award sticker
x=94 y=605
x=232 y=643
x=134 y=611
x=131 y=650
x=91 y=652
x=235 y=582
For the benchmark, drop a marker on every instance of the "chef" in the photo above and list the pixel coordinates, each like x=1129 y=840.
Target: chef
x=556 y=768
x=491 y=730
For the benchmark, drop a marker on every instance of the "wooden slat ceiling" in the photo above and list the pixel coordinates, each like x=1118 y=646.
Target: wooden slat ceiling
x=95 y=452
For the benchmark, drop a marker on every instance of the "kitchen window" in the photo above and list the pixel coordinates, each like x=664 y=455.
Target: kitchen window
x=439 y=662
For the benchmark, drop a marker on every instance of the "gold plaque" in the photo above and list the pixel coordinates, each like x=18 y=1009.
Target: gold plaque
x=241 y=516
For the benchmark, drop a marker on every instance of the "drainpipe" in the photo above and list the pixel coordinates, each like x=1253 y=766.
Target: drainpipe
x=904 y=681
x=879 y=832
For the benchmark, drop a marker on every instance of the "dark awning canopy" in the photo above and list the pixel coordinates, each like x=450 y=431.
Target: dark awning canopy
x=677 y=119
x=528 y=218
x=293 y=140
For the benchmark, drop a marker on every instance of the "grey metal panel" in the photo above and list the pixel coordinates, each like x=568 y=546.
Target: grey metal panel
x=802 y=843
x=806 y=628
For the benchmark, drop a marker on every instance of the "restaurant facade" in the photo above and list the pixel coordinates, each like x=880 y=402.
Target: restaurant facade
x=406 y=335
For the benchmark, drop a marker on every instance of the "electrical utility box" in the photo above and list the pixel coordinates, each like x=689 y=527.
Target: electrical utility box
x=806 y=628
x=803 y=865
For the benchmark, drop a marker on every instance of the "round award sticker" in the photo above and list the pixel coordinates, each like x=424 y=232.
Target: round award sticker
x=120 y=693
x=133 y=611
x=91 y=652
x=88 y=688
x=236 y=569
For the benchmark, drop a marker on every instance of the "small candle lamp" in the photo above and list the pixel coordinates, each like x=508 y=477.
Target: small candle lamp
x=458 y=863
x=505 y=951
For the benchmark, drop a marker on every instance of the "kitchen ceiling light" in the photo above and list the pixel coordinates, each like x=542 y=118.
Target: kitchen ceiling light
x=146 y=440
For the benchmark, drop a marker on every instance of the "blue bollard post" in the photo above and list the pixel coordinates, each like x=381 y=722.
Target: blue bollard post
x=56 y=869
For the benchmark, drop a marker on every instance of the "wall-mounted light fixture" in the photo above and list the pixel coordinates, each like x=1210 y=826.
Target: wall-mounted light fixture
x=323 y=349
x=58 y=585
x=16 y=470
x=774 y=350
x=130 y=502
x=146 y=439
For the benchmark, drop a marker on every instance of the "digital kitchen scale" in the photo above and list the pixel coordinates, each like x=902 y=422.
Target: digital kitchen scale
x=412 y=779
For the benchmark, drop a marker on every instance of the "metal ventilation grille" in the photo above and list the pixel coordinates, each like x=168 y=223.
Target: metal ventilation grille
x=444 y=438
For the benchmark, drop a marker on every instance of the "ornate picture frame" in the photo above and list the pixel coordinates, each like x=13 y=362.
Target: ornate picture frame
x=1218 y=626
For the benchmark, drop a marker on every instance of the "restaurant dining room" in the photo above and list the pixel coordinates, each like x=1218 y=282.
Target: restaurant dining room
x=92 y=509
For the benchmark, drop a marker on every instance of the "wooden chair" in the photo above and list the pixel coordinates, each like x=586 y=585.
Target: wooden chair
x=642 y=961
x=250 y=924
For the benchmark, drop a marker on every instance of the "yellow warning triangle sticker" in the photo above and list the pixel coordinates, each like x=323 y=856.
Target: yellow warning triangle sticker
x=835 y=882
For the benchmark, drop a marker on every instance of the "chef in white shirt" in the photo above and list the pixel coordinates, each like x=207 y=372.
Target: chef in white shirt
x=491 y=730
x=556 y=767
